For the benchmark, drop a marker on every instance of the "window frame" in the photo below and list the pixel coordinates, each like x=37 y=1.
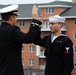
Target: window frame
x=22 y=49
x=31 y=49
x=74 y=22
x=22 y=61
x=74 y=49
x=49 y=10
x=47 y=25
x=21 y=23
x=75 y=35
x=74 y=63
x=31 y=62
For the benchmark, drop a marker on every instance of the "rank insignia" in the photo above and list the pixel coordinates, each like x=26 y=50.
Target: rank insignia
x=67 y=50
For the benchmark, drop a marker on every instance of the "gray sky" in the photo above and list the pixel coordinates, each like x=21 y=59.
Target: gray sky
x=5 y=2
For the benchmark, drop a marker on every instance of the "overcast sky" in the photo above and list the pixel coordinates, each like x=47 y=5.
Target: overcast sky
x=5 y=2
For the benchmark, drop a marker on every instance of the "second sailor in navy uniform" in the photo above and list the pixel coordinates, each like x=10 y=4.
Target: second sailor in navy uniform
x=58 y=49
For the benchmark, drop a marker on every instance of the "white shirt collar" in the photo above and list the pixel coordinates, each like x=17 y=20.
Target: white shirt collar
x=54 y=37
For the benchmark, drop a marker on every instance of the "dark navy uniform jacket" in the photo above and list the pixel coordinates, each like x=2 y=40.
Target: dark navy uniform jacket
x=11 y=39
x=59 y=54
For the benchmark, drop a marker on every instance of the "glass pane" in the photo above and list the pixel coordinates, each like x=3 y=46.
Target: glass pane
x=75 y=22
x=46 y=10
x=75 y=35
x=74 y=49
x=21 y=23
x=22 y=48
x=31 y=48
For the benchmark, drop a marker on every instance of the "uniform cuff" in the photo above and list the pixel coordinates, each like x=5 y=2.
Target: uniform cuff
x=36 y=22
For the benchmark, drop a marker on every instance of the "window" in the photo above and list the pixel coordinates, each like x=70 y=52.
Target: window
x=29 y=23
x=46 y=24
x=21 y=22
x=74 y=49
x=0 y=23
x=74 y=35
x=49 y=10
x=22 y=61
x=75 y=22
x=31 y=48
x=42 y=53
x=31 y=61
x=22 y=48
x=75 y=63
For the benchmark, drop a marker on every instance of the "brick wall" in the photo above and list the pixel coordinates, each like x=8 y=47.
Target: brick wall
x=74 y=1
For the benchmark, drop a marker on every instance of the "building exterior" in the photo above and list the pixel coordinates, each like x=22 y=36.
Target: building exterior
x=74 y=1
x=33 y=55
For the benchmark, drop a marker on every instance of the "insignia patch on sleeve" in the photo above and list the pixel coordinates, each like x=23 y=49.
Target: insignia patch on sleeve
x=67 y=51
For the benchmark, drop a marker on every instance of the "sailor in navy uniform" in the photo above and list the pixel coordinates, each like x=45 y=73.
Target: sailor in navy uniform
x=11 y=39
x=58 y=49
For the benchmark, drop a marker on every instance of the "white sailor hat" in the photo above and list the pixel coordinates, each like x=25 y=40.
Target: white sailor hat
x=12 y=10
x=56 y=18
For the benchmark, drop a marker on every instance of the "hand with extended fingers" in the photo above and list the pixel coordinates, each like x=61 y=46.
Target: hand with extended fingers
x=35 y=14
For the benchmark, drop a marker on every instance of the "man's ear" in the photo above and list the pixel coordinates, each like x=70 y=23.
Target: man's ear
x=61 y=25
x=11 y=17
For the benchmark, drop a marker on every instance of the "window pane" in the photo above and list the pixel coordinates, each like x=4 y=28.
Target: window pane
x=31 y=48
x=75 y=35
x=22 y=61
x=21 y=22
x=49 y=10
x=74 y=49
x=42 y=53
x=0 y=23
x=31 y=61
x=52 y=10
x=46 y=10
x=74 y=62
x=22 y=48
x=75 y=22
x=47 y=24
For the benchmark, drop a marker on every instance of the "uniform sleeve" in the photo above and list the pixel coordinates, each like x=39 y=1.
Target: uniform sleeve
x=29 y=37
x=41 y=41
x=68 y=58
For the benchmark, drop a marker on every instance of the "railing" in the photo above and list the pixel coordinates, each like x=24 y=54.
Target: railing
x=41 y=54
x=41 y=67
x=47 y=28
x=41 y=71
x=34 y=72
